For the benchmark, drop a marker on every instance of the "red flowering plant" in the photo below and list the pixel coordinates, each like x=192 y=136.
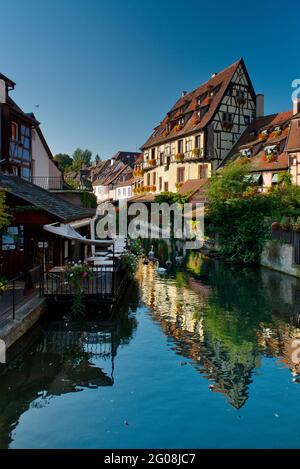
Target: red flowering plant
x=178 y=127
x=275 y=134
x=262 y=136
x=207 y=101
x=75 y=275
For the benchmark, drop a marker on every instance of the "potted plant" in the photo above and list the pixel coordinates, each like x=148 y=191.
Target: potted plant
x=285 y=223
x=271 y=157
x=262 y=136
x=178 y=185
x=179 y=157
x=196 y=152
x=178 y=127
x=74 y=276
x=153 y=189
x=275 y=133
x=151 y=162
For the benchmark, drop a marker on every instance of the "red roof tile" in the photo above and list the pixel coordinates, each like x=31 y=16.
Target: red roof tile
x=188 y=102
x=293 y=141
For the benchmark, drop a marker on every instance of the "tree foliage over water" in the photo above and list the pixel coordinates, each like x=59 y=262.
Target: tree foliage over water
x=241 y=218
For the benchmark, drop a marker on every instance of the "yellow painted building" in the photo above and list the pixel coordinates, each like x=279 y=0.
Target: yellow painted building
x=198 y=133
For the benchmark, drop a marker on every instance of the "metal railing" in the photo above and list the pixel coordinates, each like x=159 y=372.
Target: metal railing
x=105 y=283
x=19 y=291
x=48 y=182
x=290 y=237
x=58 y=183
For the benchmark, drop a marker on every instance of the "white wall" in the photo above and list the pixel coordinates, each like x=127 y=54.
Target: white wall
x=101 y=192
x=43 y=166
x=124 y=192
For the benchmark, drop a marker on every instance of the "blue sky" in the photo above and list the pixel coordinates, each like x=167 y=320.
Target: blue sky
x=104 y=73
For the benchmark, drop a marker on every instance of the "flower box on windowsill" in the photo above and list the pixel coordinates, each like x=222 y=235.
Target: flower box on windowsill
x=178 y=127
x=196 y=152
x=262 y=136
x=206 y=101
x=151 y=162
x=270 y=158
x=241 y=101
x=179 y=157
x=275 y=134
x=227 y=125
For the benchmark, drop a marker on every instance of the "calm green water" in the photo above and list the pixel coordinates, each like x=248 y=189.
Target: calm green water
x=200 y=359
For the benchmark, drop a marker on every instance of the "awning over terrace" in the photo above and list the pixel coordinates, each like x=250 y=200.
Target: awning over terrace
x=67 y=231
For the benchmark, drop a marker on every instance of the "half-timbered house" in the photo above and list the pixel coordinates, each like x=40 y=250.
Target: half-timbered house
x=199 y=131
x=24 y=151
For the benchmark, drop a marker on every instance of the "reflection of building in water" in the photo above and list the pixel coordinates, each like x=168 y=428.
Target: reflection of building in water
x=222 y=332
x=62 y=359
x=173 y=300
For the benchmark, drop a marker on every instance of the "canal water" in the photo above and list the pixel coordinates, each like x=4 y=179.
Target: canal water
x=203 y=357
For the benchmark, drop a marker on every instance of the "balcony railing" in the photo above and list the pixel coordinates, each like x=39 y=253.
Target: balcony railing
x=48 y=182
x=58 y=183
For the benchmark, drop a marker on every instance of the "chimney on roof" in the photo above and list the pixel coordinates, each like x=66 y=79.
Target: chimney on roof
x=260 y=104
x=183 y=93
x=296 y=105
x=2 y=91
x=214 y=74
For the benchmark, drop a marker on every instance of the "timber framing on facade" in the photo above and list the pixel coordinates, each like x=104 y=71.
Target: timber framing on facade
x=199 y=131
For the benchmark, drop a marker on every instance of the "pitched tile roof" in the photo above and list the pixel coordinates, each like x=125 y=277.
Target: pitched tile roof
x=50 y=203
x=293 y=141
x=249 y=139
x=142 y=198
x=129 y=182
x=219 y=82
x=110 y=174
x=259 y=163
x=192 y=186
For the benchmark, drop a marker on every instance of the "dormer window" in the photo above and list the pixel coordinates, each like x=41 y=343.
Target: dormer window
x=271 y=150
x=227 y=117
x=246 y=152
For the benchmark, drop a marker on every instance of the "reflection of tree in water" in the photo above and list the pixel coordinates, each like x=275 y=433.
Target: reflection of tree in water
x=57 y=359
x=224 y=319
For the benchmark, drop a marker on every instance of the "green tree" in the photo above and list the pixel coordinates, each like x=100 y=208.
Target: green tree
x=232 y=181
x=238 y=215
x=97 y=159
x=64 y=161
x=81 y=158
